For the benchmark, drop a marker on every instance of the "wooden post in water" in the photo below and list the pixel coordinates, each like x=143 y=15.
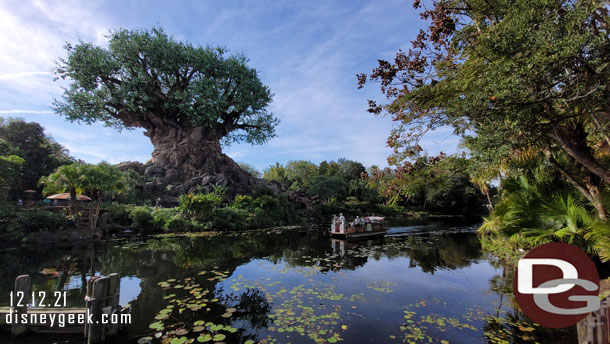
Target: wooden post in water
x=88 y=299
x=94 y=332
x=114 y=290
x=595 y=328
x=102 y=298
x=23 y=284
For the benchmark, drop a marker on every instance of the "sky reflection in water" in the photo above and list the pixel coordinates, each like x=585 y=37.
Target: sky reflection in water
x=423 y=283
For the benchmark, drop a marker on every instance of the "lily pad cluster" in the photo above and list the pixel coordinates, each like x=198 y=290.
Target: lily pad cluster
x=382 y=286
x=417 y=326
x=188 y=295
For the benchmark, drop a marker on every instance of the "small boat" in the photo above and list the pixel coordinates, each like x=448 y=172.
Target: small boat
x=360 y=227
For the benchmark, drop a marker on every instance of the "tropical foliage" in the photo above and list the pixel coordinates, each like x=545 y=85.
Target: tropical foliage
x=518 y=81
x=94 y=180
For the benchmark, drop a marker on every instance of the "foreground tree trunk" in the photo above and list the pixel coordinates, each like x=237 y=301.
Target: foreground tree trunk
x=574 y=143
x=587 y=188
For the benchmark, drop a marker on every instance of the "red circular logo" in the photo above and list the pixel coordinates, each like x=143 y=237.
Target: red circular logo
x=556 y=285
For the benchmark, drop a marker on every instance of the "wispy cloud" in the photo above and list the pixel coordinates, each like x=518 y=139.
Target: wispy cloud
x=307 y=52
x=19 y=75
x=14 y=112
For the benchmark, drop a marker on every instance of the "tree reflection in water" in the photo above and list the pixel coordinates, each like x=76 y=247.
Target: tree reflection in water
x=320 y=279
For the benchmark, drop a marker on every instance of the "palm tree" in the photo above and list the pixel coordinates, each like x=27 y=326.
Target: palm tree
x=83 y=178
x=97 y=179
x=66 y=177
x=533 y=212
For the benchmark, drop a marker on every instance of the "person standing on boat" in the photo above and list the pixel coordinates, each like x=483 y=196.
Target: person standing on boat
x=341 y=218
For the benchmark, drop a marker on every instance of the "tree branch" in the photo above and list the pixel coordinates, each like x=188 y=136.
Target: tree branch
x=567 y=175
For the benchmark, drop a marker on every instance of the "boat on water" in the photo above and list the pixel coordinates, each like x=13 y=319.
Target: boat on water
x=359 y=228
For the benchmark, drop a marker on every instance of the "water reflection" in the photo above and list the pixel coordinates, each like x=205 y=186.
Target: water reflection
x=421 y=283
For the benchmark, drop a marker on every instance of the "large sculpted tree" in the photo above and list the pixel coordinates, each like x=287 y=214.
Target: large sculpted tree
x=511 y=77
x=187 y=98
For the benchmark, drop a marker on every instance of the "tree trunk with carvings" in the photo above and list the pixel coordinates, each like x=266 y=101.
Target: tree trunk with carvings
x=187 y=159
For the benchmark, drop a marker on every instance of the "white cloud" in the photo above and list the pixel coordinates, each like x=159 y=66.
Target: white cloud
x=32 y=36
x=19 y=75
x=308 y=58
x=13 y=112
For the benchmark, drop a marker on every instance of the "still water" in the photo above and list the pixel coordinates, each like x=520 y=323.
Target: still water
x=422 y=283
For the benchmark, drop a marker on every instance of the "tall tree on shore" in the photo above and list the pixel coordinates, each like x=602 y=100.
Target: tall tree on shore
x=41 y=155
x=514 y=75
x=187 y=98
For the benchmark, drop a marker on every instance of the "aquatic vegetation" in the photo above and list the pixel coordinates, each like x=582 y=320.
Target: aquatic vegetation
x=289 y=286
x=189 y=296
x=382 y=286
x=418 y=325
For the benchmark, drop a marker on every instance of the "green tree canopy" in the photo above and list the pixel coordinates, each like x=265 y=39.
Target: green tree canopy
x=508 y=76
x=188 y=99
x=250 y=169
x=147 y=79
x=277 y=173
x=94 y=180
x=41 y=155
x=327 y=187
x=10 y=168
x=65 y=178
x=300 y=172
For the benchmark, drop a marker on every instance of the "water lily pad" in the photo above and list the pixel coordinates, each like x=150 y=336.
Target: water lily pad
x=145 y=340
x=205 y=338
x=219 y=337
x=157 y=326
x=182 y=331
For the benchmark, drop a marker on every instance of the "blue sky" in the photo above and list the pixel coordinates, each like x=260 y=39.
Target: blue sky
x=307 y=52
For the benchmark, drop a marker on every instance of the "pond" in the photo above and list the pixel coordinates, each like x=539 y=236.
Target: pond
x=425 y=282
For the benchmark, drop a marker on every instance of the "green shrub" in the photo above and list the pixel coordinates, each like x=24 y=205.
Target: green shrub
x=142 y=218
x=229 y=219
x=243 y=202
x=31 y=221
x=262 y=190
x=7 y=213
x=388 y=210
x=119 y=213
x=200 y=206
x=177 y=224
x=267 y=202
x=161 y=216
